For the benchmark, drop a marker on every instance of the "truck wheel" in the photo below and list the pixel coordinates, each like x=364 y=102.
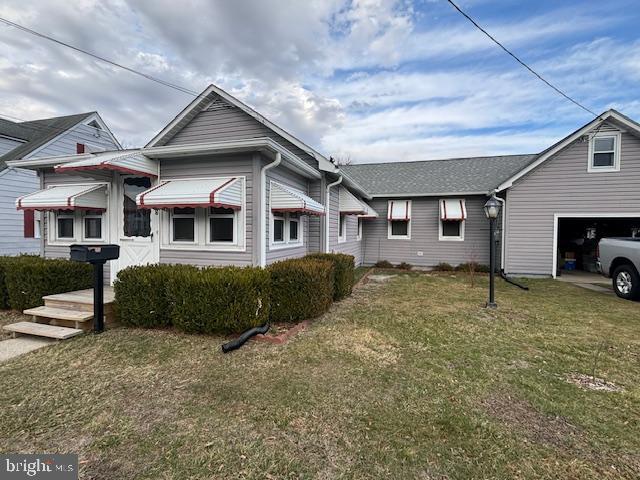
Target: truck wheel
x=626 y=282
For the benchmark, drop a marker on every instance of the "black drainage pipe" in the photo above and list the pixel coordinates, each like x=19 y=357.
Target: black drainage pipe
x=241 y=340
x=512 y=281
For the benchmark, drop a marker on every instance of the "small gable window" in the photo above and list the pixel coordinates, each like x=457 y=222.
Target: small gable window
x=604 y=153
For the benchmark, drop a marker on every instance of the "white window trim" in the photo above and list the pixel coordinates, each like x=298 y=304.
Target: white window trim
x=202 y=227
x=444 y=238
x=390 y=236
x=61 y=214
x=359 y=234
x=459 y=238
x=295 y=220
x=617 y=136
x=101 y=216
x=172 y=216
x=286 y=243
x=79 y=234
x=236 y=222
x=342 y=222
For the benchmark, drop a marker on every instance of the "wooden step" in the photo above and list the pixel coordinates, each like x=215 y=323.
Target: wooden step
x=81 y=297
x=60 y=313
x=42 y=330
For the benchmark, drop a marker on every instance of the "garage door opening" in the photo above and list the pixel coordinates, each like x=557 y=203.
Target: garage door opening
x=578 y=240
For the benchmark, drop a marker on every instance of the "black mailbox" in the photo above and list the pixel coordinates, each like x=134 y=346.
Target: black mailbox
x=97 y=255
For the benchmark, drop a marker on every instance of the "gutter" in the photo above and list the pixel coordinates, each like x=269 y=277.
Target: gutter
x=328 y=215
x=263 y=202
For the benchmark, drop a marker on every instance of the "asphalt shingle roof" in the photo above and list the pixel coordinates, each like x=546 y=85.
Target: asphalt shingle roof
x=455 y=175
x=36 y=133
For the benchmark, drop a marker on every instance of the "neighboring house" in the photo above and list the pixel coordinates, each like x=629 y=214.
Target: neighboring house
x=221 y=185
x=20 y=231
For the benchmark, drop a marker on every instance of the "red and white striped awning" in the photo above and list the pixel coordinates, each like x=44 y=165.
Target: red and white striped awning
x=132 y=162
x=369 y=212
x=399 y=210
x=349 y=203
x=225 y=192
x=288 y=199
x=66 y=197
x=453 y=209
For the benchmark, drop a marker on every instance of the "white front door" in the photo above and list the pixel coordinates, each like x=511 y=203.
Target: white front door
x=137 y=229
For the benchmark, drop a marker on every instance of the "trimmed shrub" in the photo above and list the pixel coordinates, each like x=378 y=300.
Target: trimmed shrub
x=383 y=264
x=343 y=269
x=405 y=266
x=5 y=263
x=141 y=295
x=444 y=267
x=218 y=300
x=301 y=288
x=28 y=278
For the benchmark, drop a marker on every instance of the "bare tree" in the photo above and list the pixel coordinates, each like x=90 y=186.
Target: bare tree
x=344 y=159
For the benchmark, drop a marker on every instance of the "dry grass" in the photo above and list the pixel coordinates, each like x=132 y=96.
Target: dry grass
x=7 y=317
x=407 y=379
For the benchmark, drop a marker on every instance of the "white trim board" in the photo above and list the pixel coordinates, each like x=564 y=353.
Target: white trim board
x=323 y=162
x=557 y=216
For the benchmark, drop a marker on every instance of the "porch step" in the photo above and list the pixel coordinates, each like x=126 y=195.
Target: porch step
x=60 y=313
x=42 y=330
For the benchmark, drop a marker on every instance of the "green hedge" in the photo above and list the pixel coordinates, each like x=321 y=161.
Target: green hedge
x=300 y=289
x=4 y=295
x=219 y=300
x=141 y=295
x=28 y=278
x=344 y=278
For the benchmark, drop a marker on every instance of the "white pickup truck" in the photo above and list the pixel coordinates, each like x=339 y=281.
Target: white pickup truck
x=619 y=259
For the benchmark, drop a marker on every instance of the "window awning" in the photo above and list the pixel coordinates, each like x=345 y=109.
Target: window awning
x=66 y=197
x=223 y=192
x=399 y=210
x=349 y=203
x=130 y=162
x=369 y=213
x=287 y=199
x=453 y=210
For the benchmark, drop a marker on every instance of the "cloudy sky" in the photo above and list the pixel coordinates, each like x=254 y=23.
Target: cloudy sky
x=371 y=80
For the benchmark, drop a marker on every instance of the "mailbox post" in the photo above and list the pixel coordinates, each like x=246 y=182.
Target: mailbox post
x=97 y=255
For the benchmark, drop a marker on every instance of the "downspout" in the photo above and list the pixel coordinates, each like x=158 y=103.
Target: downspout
x=328 y=213
x=263 y=202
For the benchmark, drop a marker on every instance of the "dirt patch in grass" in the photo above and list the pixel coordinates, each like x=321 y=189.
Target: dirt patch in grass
x=518 y=414
x=587 y=382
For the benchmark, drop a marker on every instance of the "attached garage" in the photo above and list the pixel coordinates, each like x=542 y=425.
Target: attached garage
x=576 y=238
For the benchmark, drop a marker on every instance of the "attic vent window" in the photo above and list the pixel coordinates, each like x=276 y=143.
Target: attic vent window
x=94 y=124
x=604 y=153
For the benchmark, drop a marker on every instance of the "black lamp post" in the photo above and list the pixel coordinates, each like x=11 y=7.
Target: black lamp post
x=492 y=210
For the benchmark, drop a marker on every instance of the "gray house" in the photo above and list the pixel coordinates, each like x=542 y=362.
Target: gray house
x=20 y=231
x=221 y=184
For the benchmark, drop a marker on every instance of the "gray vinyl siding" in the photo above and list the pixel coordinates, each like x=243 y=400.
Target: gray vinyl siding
x=291 y=179
x=221 y=121
x=13 y=184
x=352 y=246
x=8 y=144
x=315 y=221
x=65 y=144
x=233 y=165
x=563 y=185
x=425 y=218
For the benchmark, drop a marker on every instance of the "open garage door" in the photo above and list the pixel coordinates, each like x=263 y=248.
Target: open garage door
x=577 y=239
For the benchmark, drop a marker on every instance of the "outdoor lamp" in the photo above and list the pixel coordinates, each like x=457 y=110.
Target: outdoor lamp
x=492 y=210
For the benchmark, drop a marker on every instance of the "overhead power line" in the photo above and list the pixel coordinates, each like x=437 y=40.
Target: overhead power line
x=521 y=62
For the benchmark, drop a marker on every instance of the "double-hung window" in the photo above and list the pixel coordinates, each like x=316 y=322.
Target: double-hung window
x=604 y=152
x=222 y=226
x=359 y=237
x=183 y=225
x=65 y=225
x=92 y=225
x=399 y=220
x=294 y=227
x=453 y=214
x=342 y=228
x=286 y=229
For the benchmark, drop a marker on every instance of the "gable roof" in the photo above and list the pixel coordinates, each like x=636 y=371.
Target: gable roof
x=609 y=115
x=202 y=100
x=455 y=176
x=37 y=133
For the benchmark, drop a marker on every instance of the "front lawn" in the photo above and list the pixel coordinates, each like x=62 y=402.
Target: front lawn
x=408 y=379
